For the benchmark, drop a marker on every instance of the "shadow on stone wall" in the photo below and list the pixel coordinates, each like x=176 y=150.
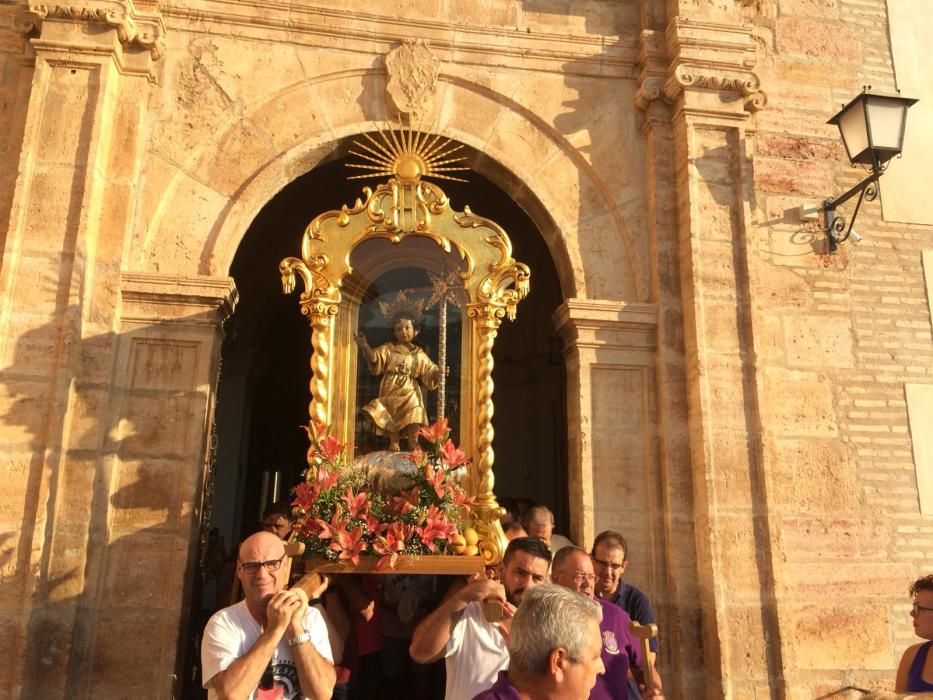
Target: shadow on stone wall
x=95 y=576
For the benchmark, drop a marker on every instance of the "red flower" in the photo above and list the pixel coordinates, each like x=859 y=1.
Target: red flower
x=332 y=529
x=331 y=448
x=436 y=527
x=372 y=522
x=349 y=544
x=391 y=545
x=355 y=504
x=306 y=527
x=394 y=538
x=436 y=432
x=326 y=479
x=452 y=455
x=406 y=500
x=463 y=503
x=305 y=496
x=436 y=477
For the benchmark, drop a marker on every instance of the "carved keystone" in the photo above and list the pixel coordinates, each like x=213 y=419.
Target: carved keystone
x=412 y=70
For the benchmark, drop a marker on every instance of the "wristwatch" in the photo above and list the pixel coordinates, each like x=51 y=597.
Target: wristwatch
x=302 y=638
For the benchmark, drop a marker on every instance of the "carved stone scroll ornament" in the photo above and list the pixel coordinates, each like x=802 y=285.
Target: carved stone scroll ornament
x=648 y=91
x=412 y=78
x=132 y=30
x=747 y=85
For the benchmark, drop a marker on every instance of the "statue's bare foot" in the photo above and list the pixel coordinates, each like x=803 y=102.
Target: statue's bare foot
x=394 y=446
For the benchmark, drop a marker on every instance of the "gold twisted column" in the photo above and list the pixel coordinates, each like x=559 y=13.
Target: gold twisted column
x=321 y=315
x=492 y=542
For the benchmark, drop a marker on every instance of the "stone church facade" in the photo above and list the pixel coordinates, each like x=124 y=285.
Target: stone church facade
x=754 y=410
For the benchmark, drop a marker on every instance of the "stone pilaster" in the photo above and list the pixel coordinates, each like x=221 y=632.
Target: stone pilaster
x=71 y=207
x=681 y=641
x=609 y=349
x=711 y=91
x=147 y=531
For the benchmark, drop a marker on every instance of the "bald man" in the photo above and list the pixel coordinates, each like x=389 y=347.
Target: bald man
x=270 y=644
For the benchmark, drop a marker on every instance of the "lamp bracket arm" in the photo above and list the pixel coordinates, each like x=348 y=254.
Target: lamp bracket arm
x=831 y=204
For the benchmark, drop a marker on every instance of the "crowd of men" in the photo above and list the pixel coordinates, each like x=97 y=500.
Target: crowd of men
x=562 y=628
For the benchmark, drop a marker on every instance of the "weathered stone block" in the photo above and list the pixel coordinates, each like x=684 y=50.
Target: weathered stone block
x=724 y=396
x=798 y=403
x=824 y=9
x=813 y=473
x=146 y=495
x=799 y=147
x=807 y=539
x=860 y=581
x=130 y=664
x=819 y=341
x=839 y=636
x=779 y=287
x=131 y=563
x=158 y=426
x=731 y=461
x=808 y=177
x=827 y=41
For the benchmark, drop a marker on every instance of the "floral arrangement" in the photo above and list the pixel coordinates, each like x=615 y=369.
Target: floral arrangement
x=338 y=517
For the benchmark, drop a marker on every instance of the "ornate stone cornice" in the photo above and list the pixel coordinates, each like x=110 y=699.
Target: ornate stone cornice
x=711 y=58
x=134 y=29
x=192 y=301
x=597 y=324
x=378 y=29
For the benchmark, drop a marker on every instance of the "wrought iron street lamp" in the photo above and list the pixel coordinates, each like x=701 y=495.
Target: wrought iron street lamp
x=872 y=128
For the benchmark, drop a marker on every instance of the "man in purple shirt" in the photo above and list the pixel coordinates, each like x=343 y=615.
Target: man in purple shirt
x=555 y=648
x=573 y=569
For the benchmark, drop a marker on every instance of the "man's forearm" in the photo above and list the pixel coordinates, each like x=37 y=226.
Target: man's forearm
x=431 y=636
x=641 y=680
x=239 y=679
x=316 y=674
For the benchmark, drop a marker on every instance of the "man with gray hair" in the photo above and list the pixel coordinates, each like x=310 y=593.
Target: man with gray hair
x=573 y=569
x=555 y=648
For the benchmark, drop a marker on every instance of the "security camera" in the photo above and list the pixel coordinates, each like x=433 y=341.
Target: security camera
x=855 y=236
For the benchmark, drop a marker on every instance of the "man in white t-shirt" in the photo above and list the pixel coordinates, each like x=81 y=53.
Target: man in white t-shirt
x=272 y=640
x=475 y=648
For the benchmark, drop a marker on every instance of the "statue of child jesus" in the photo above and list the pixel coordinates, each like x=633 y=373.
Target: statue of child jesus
x=405 y=367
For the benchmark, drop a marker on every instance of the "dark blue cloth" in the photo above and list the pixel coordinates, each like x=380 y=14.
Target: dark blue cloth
x=915 y=682
x=501 y=690
x=637 y=605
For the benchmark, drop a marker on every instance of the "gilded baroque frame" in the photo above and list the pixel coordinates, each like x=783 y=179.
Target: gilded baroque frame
x=494 y=282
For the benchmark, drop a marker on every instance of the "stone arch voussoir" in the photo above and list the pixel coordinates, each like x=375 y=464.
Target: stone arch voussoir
x=208 y=205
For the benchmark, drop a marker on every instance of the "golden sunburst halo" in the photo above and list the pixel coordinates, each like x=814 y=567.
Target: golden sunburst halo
x=407 y=153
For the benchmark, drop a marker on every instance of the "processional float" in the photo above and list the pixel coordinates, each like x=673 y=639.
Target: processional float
x=404 y=296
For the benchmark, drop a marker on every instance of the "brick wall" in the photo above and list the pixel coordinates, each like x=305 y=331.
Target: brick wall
x=840 y=336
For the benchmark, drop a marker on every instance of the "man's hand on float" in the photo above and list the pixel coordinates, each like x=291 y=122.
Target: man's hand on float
x=282 y=607
x=296 y=625
x=479 y=589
